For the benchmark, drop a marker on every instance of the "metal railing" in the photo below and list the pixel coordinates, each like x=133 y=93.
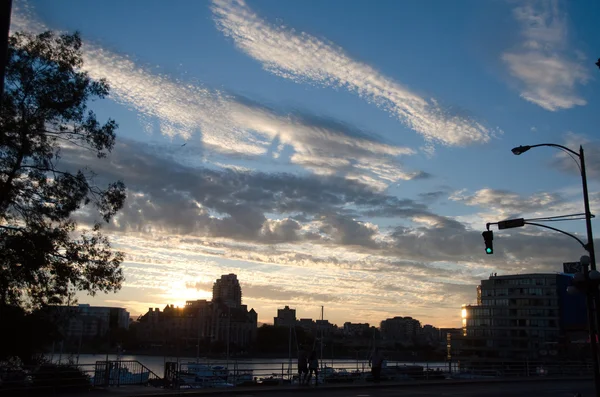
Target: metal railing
x=245 y=373
x=52 y=377
x=183 y=374
x=118 y=373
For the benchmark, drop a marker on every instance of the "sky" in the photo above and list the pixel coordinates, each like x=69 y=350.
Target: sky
x=337 y=154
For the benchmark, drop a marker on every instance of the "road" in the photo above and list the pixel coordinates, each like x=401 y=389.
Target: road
x=515 y=389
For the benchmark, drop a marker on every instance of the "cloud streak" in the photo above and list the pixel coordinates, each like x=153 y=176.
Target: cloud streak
x=303 y=58
x=548 y=75
x=232 y=125
x=509 y=204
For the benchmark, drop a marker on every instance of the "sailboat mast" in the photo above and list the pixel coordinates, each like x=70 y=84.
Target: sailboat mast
x=290 y=352
x=228 y=331
x=322 y=312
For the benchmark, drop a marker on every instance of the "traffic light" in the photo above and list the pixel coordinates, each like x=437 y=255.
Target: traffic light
x=488 y=237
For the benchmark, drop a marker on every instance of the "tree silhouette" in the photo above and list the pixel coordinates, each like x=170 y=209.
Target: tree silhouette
x=43 y=253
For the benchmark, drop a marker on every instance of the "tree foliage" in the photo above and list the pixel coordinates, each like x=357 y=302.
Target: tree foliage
x=44 y=255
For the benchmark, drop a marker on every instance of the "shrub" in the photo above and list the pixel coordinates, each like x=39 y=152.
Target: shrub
x=64 y=378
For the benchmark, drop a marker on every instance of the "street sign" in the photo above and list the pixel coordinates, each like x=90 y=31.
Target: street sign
x=510 y=223
x=572 y=267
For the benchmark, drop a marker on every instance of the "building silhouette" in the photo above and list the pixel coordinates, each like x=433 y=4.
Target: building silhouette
x=527 y=316
x=85 y=321
x=224 y=319
x=400 y=329
x=227 y=290
x=355 y=329
x=286 y=317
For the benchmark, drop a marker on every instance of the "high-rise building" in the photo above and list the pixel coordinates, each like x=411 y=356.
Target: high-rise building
x=402 y=329
x=286 y=317
x=354 y=329
x=525 y=316
x=227 y=290
x=224 y=319
x=198 y=321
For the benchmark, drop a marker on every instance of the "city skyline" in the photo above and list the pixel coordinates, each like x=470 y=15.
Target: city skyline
x=345 y=155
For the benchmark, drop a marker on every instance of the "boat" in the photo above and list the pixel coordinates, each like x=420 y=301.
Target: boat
x=200 y=375
x=120 y=376
x=242 y=377
x=340 y=376
x=272 y=380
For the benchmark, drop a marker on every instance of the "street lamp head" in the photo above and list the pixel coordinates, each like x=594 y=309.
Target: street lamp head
x=520 y=149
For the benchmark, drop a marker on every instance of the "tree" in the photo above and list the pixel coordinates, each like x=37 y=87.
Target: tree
x=44 y=255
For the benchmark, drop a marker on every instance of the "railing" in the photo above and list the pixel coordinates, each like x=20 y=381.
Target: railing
x=254 y=373
x=51 y=378
x=118 y=373
x=481 y=369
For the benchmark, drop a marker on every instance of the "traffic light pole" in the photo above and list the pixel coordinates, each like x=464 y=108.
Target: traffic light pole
x=592 y=294
x=588 y=214
x=590 y=297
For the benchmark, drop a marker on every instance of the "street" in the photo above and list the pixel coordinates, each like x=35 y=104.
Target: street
x=516 y=389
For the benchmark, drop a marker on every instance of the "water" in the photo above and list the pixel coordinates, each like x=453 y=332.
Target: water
x=260 y=366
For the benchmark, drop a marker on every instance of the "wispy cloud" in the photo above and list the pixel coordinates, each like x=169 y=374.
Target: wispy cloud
x=228 y=124
x=509 y=204
x=547 y=72
x=302 y=57
x=591 y=152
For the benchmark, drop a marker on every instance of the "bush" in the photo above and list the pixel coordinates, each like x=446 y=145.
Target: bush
x=64 y=378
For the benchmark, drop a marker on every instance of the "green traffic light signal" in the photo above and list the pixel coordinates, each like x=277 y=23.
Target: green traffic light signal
x=488 y=237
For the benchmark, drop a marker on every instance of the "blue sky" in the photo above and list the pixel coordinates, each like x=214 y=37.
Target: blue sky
x=345 y=154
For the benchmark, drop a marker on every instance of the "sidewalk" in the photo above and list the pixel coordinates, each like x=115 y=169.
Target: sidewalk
x=149 y=391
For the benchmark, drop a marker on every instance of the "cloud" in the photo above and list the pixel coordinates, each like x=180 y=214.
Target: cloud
x=509 y=204
x=304 y=58
x=591 y=151
x=526 y=250
x=288 y=219
x=233 y=125
x=430 y=197
x=547 y=73
x=311 y=221
x=347 y=231
x=168 y=197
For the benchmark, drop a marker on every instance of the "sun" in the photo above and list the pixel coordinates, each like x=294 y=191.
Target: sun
x=177 y=293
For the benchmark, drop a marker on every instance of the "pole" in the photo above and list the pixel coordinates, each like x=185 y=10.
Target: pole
x=322 y=313
x=588 y=215
x=593 y=343
x=228 y=331
x=198 y=339
x=593 y=298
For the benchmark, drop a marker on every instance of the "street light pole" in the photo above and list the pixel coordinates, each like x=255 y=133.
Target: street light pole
x=588 y=215
x=593 y=296
x=594 y=299
x=591 y=299
x=586 y=201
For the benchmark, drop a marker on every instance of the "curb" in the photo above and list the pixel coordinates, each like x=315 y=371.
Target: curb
x=289 y=389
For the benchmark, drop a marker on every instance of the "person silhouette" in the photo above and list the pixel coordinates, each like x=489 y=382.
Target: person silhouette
x=313 y=367
x=376 y=362
x=302 y=366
